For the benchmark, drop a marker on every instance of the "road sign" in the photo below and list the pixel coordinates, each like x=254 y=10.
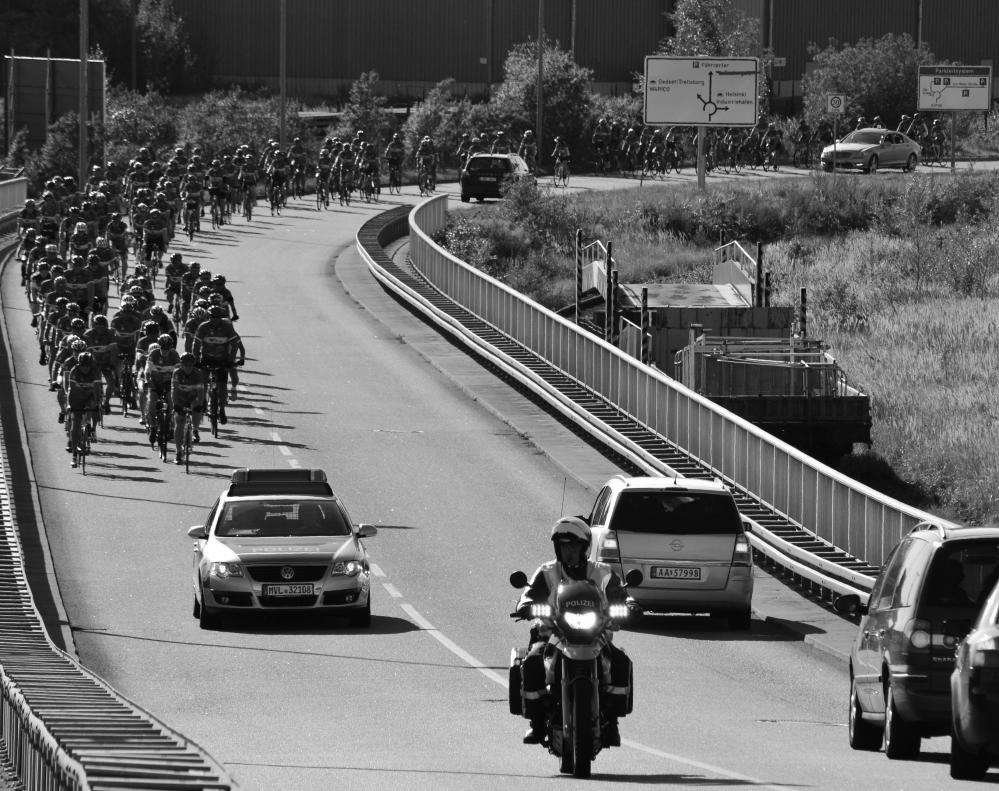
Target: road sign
x=701 y=91
x=836 y=103
x=955 y=88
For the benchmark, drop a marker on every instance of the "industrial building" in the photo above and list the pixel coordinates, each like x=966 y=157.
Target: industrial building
x=413 y=44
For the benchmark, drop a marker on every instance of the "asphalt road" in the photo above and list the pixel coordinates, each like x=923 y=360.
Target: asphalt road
x=461 y=500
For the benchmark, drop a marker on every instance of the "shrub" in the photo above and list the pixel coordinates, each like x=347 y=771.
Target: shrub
x=441 y=116
x=365 y=110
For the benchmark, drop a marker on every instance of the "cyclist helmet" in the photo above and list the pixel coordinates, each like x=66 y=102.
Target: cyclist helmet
x=149 y=327
x=200 y=311
x=216 y=163
x=85 y=358
x=115 y=216
x=296 y=141
x=187 y=358
x=102 y=242
x=78 y=326
x=216 y=312
x=176 y=258
x=215 y=298
x=101 y=319
x=936 y=122
x=197 y=151
x=476 y=139
x=195 y=266
x=142 y=207
x=78 y=346
x=128 y=303
x=360 y=133
x=191 y=168
x=395 y=135
x=155 y=212
x=29 y=203
x=499 y=133
x=73 y=307
x=165 y=342
x=156 y=310
x=205 y=274
x=61 y=302
x=80 y=226
x=529 y=133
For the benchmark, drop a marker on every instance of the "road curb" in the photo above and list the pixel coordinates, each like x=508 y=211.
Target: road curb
x=65 y=635
x=813 y=642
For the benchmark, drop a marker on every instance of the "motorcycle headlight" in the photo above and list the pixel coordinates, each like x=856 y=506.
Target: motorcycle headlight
x=583 y=621
x=226 y=570
x=350 y=568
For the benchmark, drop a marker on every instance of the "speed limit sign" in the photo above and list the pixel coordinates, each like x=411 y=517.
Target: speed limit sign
x=836 y=103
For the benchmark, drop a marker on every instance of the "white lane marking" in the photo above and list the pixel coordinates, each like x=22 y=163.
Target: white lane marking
x=451 y=646
x=392 y=590
x=295 y=463
x=258 y=410
x=376 y=569
x=285 y=450
x=276 y=437
x=492 y=675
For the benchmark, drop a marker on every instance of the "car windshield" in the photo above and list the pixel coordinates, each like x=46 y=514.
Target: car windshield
x=865 y=138
x=488 y=165
x=282 y=519
x=962 y=576
x=676 y=513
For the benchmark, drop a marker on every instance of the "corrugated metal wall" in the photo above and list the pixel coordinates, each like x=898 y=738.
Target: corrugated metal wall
x=964 y=30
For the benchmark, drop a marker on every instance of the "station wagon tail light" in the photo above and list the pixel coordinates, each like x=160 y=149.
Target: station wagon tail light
x=743 y=553
x=985 y=654
x=918 y=634
x=609 y=550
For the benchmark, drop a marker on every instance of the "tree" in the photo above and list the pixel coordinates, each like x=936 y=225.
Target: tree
x=711 y=27
x=166 y=61
x=566 y=94
x=365 y=110
x=878 y=77
x=440 y=115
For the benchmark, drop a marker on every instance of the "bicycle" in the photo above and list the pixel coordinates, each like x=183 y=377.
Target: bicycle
x=395 y=178
x=154 y=263
x=249 y=201
x=125 y=383
x=216 y=213
x=276 y=197
x=322 y=192
x=159 y=426
x=802 y=157
x=561 y=176
x=216 y=394
x=424 y=179
x=192 y=221
x=81 y=430
x=187 y=435
x=369 y=187
x=346 y=186
x=298 y=183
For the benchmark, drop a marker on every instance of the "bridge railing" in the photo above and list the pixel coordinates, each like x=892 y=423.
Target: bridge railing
x=12 y=194
x=844 y=512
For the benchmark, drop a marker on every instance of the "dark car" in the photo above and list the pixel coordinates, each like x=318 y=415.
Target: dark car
x=484 y=174
x=974 y=690
x=921 y=606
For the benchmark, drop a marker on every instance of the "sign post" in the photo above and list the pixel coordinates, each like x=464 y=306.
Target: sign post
x=835 y=104
x=955 y=89
x=701 y=92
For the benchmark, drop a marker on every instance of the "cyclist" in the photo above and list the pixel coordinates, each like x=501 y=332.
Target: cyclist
x=79 y=240
x=174 y=274
x=877 y=123
x=461 y=150
x=117 y=233
x=198 y=316
x=150 y=332
x=65 y=358
x=395 y=153
x=369 y=167
x=426 y=160
x=277 y=173
x=560 y=154
x=528 y=150
x=501 y=145
x=629 y=146
x=600 y=140
x=161 y=362
x=215 y=179
x=345 y=164
x=83 y=393
x=218 y=286
x=163 y=323
x=476 y=146
x=860 y=123
x=28 y=217
x=97 y=281
x=101 y=343
x=215 y=345
x=324 y=167
x=187 y=391
x=126 y=325
x=154 y=234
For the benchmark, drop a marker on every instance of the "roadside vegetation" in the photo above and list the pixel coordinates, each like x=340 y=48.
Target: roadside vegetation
x=902 y=275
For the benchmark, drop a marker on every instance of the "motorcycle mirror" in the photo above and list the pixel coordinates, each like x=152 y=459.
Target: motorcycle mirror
x=633 y=578
x=518 y=579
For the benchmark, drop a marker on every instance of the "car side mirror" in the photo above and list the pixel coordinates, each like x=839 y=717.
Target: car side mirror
x=633 y=578
x=850 y=605
x=518 y=579
x=197 y=531
x=366 y=531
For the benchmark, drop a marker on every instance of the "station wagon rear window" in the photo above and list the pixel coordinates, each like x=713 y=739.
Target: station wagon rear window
x=962 y=576
x=676 y=513
x=282 y=519
x=489 y=165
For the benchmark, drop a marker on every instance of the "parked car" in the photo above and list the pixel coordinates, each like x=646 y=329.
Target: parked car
x=974 y=693
x=686 y=537
x=484 y=174
x=280 y=540
x=921 y=606
x=870 y=149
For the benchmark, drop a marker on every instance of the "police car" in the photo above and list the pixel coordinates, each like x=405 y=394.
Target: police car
x=280 y=540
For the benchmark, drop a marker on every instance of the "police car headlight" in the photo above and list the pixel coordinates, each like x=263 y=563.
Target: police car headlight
x=583 y=621
x=350 y=568
x=226 y=570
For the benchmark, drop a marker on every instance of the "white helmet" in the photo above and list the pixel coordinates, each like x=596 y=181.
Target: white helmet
x=571 y=528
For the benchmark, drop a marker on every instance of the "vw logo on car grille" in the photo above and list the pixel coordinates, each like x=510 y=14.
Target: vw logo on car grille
x=287 y=572
x=676 y=544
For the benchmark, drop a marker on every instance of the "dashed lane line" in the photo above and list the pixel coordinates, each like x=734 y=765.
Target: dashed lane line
x=450 y=645
x=392 y=590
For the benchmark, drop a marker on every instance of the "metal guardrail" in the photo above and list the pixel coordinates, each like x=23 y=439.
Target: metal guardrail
x=809 y=495
x=64 y=728
x=12 y=194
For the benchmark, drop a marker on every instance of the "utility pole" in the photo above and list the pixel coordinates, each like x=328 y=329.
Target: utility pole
x=283 y=67
x=135 y=45
x=540 y=92
x=84 y=87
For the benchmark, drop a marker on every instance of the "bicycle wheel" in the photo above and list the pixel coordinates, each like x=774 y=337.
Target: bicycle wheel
x=188 y=442
x=163 y=429
x=213 y=405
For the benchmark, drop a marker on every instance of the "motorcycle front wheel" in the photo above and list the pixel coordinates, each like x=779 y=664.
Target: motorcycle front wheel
x=582 y=730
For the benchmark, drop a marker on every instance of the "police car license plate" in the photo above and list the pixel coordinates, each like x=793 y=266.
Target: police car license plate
x=287 y=590
x=676 y=573
x=487 y=178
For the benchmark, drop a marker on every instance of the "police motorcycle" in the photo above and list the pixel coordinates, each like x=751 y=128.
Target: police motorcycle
x=575 y=661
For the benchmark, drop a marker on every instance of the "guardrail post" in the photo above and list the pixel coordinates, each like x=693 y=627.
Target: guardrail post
x=609 y=301
x=579 y=270
x=615 y=310
x=759 y=275
x=803 y=316
x=645 y=325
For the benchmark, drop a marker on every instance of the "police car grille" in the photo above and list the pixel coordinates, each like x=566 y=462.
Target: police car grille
x=310 y=573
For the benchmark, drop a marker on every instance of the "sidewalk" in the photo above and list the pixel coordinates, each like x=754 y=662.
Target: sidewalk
x=774 y=602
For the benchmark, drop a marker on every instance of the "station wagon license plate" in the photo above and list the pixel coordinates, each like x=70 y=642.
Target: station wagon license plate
x=287 y=590
x=676 y=572
x=487 y=178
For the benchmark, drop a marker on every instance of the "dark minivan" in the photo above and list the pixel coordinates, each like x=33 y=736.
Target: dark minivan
x=484 y=174
x=921 y=606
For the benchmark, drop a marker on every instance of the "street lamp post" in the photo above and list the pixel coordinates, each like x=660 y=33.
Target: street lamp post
x=283 y=78
x=540 y=92
x=84 y=87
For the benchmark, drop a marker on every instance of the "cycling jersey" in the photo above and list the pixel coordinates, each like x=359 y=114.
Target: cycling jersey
x=174 y=273
x=126 y=327
x=215 y=342
x=102 y=344
x=187 y=389
x=83 y=386
x=395 y=152
x=160 y=366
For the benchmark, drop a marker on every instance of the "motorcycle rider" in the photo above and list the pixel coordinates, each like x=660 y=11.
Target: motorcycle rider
x=571 y=538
